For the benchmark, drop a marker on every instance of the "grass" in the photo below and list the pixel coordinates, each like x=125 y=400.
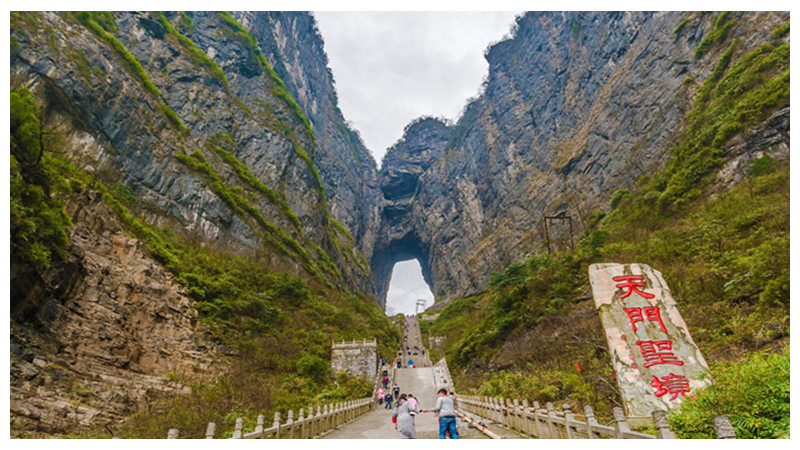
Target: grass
x=129 y=61
x=718 y=33
x=681 y=25
x=234 y=198
x=173 y=118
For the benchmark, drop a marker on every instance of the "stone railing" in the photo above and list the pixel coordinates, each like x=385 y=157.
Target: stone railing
x=442 y=377
x=305 y=426
x=355 y=344
x=546 y=423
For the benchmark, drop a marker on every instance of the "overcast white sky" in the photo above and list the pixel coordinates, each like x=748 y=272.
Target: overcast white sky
x=392 y=67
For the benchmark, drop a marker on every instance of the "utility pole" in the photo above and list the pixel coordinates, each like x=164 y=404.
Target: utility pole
x=547 y=232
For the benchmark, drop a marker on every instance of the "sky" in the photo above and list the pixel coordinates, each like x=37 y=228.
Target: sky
x=392 y=67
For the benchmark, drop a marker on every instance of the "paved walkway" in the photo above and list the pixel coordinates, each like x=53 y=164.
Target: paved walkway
x=420 y=382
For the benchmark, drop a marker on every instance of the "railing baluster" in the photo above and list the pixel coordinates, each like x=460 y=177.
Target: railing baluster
x=237 y=433
x=276 y=423
x=723 y=428
x=290 y=425
x=211 y=429
x=526 y=423
x=568 y=419
x=662 y=425
x=260 y=424
x=620 y=424
x=591 y=421
x=551 y=426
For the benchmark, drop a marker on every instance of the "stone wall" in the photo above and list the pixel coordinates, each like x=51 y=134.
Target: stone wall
x=358 y=358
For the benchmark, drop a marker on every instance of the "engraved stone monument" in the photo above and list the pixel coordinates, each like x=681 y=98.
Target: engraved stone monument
x=657 y=363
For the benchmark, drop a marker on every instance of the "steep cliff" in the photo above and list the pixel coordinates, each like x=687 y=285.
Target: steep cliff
x=576 y=106
x=222 y=216
x=203 y=85
x=205 y=163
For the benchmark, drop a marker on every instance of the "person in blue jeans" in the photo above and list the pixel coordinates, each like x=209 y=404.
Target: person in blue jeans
x=447 y=414
x=388 y=400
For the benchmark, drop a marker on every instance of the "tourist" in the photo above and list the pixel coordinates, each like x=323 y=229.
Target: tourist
x=380 y=394
x=412 y=400
x=403 y=417
x=388 y=400
x=385 y=382
x=447 y=414
x=396 y=390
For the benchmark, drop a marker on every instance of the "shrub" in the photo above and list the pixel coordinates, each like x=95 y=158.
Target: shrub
x=753 y=393
x=781 y=31
x=38 y=221
x=763 y=166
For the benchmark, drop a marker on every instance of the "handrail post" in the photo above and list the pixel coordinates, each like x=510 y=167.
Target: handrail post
x=662 y=425
x=260 y=424
x=591 y=421
x=301 y=423
x=723 y=427
x=237 y=433
x=318 y=421
x=619 y=421
x=290 y=425
x=526 y=423
x=517 y=421
x=539 y=431
x=551 y=426
x=569 y=418
x=276 y=423
x=173 y=433
x=211 y=430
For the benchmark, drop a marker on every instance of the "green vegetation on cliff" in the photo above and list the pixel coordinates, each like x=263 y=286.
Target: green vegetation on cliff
x=197 y=55
x=276 y=328
x=38 y=221
x=280 y=87
x=89 y=19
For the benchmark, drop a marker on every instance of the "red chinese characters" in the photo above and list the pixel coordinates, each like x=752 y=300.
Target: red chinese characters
x=654 y=353
x=670 y=384
x=631 y=286
x=653 y=314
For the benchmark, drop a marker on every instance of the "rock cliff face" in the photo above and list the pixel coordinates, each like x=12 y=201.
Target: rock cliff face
x=576 y=106
x=90 y=344
x=223 y=129
x=136 y=140
x=424 y=142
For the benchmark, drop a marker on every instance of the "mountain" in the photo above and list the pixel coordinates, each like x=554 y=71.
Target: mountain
x=191 y=213
x=576 y=106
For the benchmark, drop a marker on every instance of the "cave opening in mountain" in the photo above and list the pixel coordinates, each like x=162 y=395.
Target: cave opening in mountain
x=407 y=288
x=402 y=274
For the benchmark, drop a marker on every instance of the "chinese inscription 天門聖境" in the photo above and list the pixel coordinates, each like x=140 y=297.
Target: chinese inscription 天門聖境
x=656 y=362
